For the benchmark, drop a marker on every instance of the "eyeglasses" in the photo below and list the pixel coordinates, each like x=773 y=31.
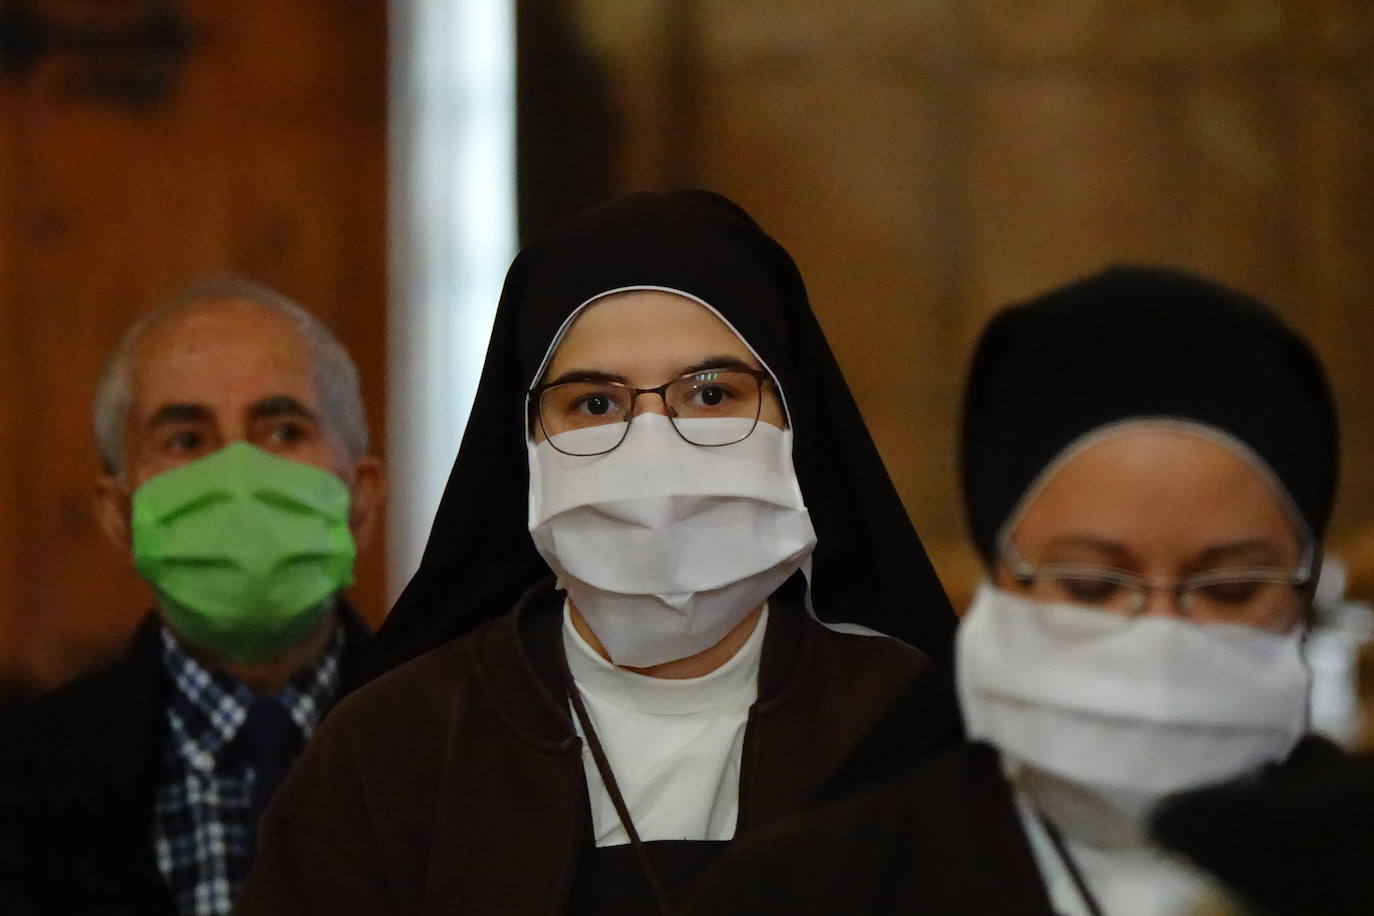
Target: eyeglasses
x=586 y=417
x=1254 y=596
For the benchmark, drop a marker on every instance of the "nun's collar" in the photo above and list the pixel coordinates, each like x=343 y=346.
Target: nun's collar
x=520 y=664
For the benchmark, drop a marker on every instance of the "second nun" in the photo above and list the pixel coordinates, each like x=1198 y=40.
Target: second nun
x=670 y=596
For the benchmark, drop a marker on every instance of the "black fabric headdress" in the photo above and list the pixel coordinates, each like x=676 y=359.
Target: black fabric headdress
x=1135 y=342
x=869 y=566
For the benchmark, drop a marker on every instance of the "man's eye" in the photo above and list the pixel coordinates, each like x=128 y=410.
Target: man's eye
x=287 y=433
x=185 y=441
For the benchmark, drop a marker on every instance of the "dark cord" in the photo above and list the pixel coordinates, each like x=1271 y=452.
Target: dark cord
x=603 y=766
x=1078 y=880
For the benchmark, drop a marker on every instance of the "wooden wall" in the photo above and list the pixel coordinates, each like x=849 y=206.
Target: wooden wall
x=926 y=162
x=126 y=171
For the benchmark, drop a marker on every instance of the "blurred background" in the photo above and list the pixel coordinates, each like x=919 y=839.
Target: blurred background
x=925 y=161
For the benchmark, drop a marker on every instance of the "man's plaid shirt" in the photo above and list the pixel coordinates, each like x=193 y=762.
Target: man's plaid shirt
x=201 y=830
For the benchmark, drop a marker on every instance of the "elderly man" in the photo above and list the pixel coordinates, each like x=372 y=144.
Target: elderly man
x=237 y=474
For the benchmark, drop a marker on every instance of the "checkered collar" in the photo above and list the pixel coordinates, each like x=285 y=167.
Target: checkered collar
x=207 y=708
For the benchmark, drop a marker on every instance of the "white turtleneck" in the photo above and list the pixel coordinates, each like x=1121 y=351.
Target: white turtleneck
x=1126 y=877
x=674 y=746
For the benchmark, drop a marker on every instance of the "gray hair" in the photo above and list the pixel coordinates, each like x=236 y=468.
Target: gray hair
x=336 y=378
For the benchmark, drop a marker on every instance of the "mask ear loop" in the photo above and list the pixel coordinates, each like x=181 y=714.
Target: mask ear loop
x=603 y=767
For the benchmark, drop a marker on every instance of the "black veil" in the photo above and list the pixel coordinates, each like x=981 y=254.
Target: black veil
x=869 y=567
x=1141 y=341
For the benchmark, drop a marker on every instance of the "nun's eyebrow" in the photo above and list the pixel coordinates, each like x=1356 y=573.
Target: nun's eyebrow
x=1117 y=551
x=701 y=365
x=1259 y=548
x=716 y=362
x=586 y=375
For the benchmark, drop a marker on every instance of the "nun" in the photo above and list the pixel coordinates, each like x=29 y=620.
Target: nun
x=1149 y=461
x=670 y=597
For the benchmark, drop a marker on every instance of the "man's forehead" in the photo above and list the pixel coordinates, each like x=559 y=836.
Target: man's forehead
x=219 y=352
x=210 y=319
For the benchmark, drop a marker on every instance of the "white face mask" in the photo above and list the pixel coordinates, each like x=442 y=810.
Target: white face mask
x=666 y=546
x=1129 y=711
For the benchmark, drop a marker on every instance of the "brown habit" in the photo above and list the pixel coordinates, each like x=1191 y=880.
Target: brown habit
x=455 y=783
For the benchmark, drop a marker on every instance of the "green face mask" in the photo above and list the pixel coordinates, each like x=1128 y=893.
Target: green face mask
x=244 y=549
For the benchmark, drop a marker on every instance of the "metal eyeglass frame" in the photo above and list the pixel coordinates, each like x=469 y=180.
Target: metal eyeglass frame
x=536 y=396
x=1180 y=588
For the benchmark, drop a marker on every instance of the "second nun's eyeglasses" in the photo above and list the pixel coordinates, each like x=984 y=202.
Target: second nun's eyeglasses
x=596 y=411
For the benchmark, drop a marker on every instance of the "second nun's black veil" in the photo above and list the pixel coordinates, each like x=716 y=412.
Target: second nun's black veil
x=869 y=567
